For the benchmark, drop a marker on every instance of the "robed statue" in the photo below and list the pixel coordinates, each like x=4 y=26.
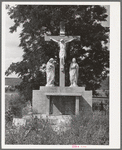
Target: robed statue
x=50 y=72
x=73 y=72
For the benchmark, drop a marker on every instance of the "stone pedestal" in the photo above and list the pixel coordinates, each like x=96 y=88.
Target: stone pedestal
x=61 y=100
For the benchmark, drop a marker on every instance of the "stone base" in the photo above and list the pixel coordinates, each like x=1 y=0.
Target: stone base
x=61 y=101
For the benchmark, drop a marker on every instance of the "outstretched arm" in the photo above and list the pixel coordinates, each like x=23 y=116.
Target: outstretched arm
x=54 y=40
x=70 y=40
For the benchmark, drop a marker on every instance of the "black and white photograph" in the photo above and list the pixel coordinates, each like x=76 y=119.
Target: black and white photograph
x=58 y=60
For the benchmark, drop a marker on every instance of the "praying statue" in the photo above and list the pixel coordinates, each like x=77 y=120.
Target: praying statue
x=50 y=72
x=62 y=52
x=73 y=72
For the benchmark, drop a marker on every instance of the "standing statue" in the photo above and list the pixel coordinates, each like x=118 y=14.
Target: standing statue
x=62 y=52
x=73 y=72
x=50 y=72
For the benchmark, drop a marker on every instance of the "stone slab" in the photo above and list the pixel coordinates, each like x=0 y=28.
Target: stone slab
x=62 y=89
x=19 y=122
x=63 y=94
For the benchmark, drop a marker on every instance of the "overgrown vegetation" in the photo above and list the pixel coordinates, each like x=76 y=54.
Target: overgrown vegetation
x=84 y=129
x=89 y=129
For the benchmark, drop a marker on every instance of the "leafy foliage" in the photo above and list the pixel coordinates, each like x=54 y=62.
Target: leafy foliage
x=84 y=20
x=16 y=104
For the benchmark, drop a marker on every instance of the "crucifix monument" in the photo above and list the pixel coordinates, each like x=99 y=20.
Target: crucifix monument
x=61 y=100
x=62 y=40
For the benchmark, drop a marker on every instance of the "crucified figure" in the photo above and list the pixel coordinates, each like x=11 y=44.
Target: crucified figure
x=62 y=52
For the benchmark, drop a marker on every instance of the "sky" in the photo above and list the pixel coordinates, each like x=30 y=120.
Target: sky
x=13 y=53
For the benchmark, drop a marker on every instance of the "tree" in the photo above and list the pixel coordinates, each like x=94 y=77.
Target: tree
x=91 y=51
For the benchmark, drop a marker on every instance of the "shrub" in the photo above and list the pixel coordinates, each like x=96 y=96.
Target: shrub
x=17 y=102
x=102 y=106
x=8 y=116
x=27 y=109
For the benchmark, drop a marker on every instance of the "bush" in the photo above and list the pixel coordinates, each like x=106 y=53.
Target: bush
x=102 y=106
x=17 y=102
x=27 y=109
x=8 y=116
x=11 y=89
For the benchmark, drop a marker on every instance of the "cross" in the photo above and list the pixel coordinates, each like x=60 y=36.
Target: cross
x=62 y=40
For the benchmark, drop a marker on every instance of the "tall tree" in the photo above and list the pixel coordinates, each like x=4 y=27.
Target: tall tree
x=91 y=51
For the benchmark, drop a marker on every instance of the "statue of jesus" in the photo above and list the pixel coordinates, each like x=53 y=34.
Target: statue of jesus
x=62 y=52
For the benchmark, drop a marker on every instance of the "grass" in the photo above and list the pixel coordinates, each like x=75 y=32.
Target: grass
x=85 y=129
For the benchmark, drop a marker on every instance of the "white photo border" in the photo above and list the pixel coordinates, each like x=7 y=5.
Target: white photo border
x=115 y=54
